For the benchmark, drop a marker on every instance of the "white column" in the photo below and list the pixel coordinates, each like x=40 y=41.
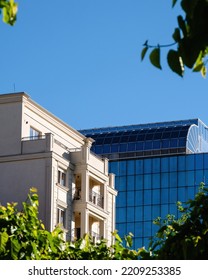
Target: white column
x=84 y=222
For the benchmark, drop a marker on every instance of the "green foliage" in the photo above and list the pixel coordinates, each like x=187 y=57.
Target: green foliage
x=185 y=238
x=23 y=237
x=190 y=38
x=9 y=11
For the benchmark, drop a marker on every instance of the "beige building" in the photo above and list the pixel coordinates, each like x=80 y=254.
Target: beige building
x=39 y=150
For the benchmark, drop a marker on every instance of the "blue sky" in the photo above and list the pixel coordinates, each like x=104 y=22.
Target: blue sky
x=80 y=59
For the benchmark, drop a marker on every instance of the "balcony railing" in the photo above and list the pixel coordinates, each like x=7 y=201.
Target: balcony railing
x=96 y=199
x=95 y=236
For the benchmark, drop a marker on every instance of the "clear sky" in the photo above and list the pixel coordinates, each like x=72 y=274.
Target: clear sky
x=80 y=59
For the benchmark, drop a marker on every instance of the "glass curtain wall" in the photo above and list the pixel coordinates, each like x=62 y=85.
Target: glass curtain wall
x=150 y=188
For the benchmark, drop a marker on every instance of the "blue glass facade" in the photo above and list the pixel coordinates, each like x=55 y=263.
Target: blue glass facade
x=155 y=165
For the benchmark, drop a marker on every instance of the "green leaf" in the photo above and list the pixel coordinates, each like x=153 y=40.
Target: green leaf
x=198 y=67
x=3 y=240
x=176 y=35
x=143 y=53
x=175 y=62
x=204 y=71
x=174 y=2
x=182 y=25
x=15 y=247
x=155 y=57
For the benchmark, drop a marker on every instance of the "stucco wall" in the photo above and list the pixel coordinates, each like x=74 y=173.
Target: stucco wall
x=10 y=124
x=17 y=177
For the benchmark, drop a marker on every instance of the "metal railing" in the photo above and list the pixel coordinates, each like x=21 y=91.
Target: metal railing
x=38 y=137
x=96 y=198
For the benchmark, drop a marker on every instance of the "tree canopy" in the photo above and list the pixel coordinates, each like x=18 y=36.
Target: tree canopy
x=24 y=237
x=185 y=238
x=8 y=8
x=190 y=39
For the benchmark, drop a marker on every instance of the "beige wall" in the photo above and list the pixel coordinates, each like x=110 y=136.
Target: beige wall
x=10 y=125
x=26 y=163
x=18 y=175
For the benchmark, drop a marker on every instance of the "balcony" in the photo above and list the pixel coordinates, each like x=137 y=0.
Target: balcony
x=96 y=199
x=37 y=144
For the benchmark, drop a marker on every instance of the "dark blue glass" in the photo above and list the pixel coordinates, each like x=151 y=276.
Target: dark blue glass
x=164 y=211
x=156 y=144
x=131 y=147
x=130 y=227
x=173 y=209
x=114 y=148
x=140 y=146
x=164 y=196
x=206 y=177
x=106 y=149
x=99 y=149
x=130 y=183
x=114 y=167
x=156 y=181
x=156 y=211
x=199 y=177
x=190 y=192
x=130 y=167
x=148 y=145
x=139 y=213
x=173 y=197
x=199 y=161
x=121 y=199
x=123 y=148
x=138 y=229
x=181 y=163
x=164 y=164
x=139 y=198
x=147 y=166
x=121 y=229
x=139 y=182
x=182 y=194
x=147 y=197
x=117 y=182
x=138 y=242
x=156 y=196
x=173 y=179
x=122 y=183
x=190 y=162
x=130 y=214
x=121 y=215
x=173 y=164
x=165 y=144
x=156 y=165
x=181 y=179
x=182 y=142
x=147 y=230
x=147 y=213
x=206 y=161
x=147 y=181
x=190 y=178
x=164 y=180
x=139 y=166
x=173 y=143
x=122 y=168
x=130 y=199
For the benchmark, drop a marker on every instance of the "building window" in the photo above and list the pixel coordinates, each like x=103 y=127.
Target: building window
x=34 y=134
x=62 y=178
x=61 y=216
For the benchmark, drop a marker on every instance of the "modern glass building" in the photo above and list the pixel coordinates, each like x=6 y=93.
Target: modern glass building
x=156 y=165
